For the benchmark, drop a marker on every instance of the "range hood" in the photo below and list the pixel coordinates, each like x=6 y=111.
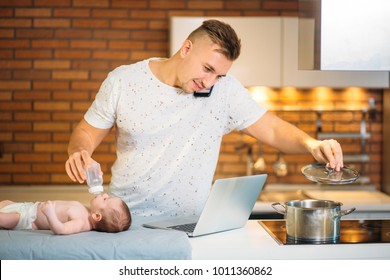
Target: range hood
x=344 y=35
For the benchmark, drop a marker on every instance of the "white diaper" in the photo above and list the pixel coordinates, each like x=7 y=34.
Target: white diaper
x=27 y=211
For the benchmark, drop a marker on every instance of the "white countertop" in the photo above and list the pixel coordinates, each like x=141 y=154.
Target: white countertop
x=253 y=242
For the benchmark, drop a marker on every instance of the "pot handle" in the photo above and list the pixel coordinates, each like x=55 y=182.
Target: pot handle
x=278 y=210
x=346 y=212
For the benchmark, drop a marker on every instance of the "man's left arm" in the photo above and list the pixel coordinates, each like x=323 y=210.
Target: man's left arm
x=272 y=130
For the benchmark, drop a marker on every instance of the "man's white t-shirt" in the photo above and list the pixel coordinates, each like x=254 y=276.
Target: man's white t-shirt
x=168 y=141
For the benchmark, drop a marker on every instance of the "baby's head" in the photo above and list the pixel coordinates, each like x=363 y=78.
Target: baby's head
x=115 y=214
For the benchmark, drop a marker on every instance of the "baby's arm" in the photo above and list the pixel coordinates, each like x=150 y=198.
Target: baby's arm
x=58 y=227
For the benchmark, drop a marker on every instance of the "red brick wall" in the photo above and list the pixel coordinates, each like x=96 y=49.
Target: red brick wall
x=53 y=57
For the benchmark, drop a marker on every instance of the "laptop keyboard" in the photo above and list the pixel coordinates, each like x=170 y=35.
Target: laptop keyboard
x=185 y=227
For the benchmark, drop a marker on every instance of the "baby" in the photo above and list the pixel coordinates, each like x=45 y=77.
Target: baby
x=106 y=213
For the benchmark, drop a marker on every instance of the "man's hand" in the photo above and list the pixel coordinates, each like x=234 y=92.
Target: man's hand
x=75 y=166
x=328 y=151
x=83 y=141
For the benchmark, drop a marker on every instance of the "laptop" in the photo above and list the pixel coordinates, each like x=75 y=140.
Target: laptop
x=228 y=207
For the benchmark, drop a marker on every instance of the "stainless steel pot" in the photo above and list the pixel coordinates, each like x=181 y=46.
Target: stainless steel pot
x=312 y=220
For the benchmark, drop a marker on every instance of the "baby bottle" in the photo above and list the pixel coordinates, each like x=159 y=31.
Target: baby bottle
x=94 y=178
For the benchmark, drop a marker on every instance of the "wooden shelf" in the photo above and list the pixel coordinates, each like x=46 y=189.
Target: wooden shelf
x=356 y=158
x=318 y=109
x=341 y=135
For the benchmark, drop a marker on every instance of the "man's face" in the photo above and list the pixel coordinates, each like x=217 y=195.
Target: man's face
x=201 y=66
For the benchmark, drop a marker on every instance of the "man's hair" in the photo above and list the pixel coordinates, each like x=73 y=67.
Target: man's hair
x=221 y=34
x=113 y=220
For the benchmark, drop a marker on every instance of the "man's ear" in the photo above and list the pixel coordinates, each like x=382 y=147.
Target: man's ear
x=185 y=47
x=97 y=216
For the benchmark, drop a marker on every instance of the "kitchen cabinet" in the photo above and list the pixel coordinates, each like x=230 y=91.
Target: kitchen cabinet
x=269 y=55
x=311 y=78
x=348 y=34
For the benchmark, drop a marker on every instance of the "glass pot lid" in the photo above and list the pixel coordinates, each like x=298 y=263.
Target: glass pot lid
x=322 y=173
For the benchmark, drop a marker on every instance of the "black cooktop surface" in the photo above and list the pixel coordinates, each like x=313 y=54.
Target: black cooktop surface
x=351 y=232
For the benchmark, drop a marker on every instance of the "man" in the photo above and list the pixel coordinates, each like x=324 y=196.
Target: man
x=168 y=139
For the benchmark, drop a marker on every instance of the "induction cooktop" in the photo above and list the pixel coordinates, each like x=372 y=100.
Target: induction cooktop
x=351 y=232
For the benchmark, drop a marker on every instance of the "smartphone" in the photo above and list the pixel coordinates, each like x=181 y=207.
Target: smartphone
x=204 y=92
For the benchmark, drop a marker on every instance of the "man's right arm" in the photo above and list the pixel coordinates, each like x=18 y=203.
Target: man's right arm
x=83 y=141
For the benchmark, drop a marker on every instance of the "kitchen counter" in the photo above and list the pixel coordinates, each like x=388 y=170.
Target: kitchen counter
x=253 y=242
x=369 y=202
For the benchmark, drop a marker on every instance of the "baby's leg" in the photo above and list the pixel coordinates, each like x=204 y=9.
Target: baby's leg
x=5 y=203
x=8 y=220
